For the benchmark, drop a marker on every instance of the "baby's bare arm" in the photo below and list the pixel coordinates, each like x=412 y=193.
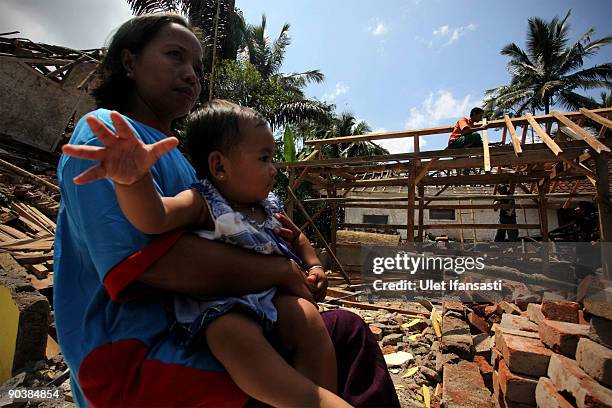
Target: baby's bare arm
x=153 y=214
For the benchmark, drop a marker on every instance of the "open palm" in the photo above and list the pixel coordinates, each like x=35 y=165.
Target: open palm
x=124 y=158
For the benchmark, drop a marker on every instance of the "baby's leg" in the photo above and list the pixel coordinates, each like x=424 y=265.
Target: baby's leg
x=303 y=332
x=238 y=343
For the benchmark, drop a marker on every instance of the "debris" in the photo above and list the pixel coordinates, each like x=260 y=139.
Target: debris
x=398 y=359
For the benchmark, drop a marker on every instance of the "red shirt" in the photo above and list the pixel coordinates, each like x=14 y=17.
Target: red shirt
x=461 y=123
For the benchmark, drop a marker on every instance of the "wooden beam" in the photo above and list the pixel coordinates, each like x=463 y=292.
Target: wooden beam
x=29 y=175
x=545 y=138
x=443 y=226
x=604 y=207
x=321 y=237
x=410 y=214
x=581 y=168
x=524 y=134
x=477 y=197
x=597 y=118
x=423 y=170
x=444 y=206
x=516 y=144
x=581 y=133
x=485 y=148
x=519 y=121
x=421 y=230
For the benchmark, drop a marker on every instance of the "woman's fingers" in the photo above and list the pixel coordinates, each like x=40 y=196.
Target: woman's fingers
x=106 y=136
x=89 y=175
x=84 y=152
x=124 y=131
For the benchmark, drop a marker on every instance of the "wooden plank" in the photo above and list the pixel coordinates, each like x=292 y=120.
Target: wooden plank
x=441 y=130
x=516 y=144
x=445 y=206
x=596 y=118
x=441 y=226
x=524 y=134
x=13 y=232
x=545 y=138
x=581 y=133
x=410 y=213
x=423 y=170
x=38 y=270
x=485 y=148
x=486 y=197
x=378 y=306
x=29 y=175
x=321 y=237
x=604 y=206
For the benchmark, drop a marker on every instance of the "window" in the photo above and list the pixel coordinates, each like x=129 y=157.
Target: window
x=441 y=214
x=375 y=219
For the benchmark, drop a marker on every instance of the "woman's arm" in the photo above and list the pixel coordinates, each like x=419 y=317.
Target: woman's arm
x=202 y=267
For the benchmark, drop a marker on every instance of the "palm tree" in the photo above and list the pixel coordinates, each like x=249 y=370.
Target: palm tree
x=344 y=124
x=549 y=71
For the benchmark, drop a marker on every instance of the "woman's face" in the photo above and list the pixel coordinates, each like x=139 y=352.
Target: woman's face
x=167 y=73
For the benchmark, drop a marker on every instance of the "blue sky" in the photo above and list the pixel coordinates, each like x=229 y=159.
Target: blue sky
x=414 y=63
x=397 y=64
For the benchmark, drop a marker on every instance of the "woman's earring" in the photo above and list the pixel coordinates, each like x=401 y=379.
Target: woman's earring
x=128 y=74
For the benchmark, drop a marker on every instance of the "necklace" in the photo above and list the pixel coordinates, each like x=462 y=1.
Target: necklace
x=242 y=207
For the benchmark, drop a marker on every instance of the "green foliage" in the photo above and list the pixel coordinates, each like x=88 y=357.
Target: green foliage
x=289 y=145
x=242 y=83
x=549 y=71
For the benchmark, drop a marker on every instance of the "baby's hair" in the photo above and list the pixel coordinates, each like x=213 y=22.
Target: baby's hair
x=216 y=127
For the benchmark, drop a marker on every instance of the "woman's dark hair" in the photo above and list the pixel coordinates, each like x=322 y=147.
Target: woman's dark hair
x=114 y=88
x=215 y=126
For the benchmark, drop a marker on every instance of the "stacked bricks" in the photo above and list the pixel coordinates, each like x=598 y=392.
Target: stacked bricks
x=467 y=375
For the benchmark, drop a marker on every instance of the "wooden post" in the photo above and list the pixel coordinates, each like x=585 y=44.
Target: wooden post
x=542 y=190
x=421 y=232
x=410 y=214
x=605 y=209
x=290 y=204
x=334 y=221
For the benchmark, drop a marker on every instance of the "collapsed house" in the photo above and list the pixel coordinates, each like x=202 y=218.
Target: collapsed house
x=44 y=90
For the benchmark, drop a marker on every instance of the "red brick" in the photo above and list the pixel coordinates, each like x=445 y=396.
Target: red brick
x=377 y=332
x=534 y=313
x=478 y=322
x=548 y=397
x=562 y=337
x=518 y=323
x=500 y=400
x=567 y=376
x=523 y=355
x=517 y=388
x=500 y=329
x=463 y=386
x=560 y=310
x=510 y=308
x=455 y=306
x=486 y=371
x=493 y=309
x=496 y=355
x=595 y=360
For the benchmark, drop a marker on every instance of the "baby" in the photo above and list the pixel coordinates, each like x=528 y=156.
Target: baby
x=231 y=148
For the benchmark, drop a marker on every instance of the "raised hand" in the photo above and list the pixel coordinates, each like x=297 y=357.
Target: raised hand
x=124 y=158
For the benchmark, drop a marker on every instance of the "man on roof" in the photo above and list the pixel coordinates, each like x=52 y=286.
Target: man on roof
x=465 y=133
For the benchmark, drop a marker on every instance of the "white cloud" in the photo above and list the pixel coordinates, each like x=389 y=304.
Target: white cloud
x=378 y=28
x=341 y=89
x=452 y=34
x=439 y=107
x=401 y=145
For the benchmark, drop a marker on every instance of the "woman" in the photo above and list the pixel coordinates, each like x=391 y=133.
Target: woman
x=112 y=283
